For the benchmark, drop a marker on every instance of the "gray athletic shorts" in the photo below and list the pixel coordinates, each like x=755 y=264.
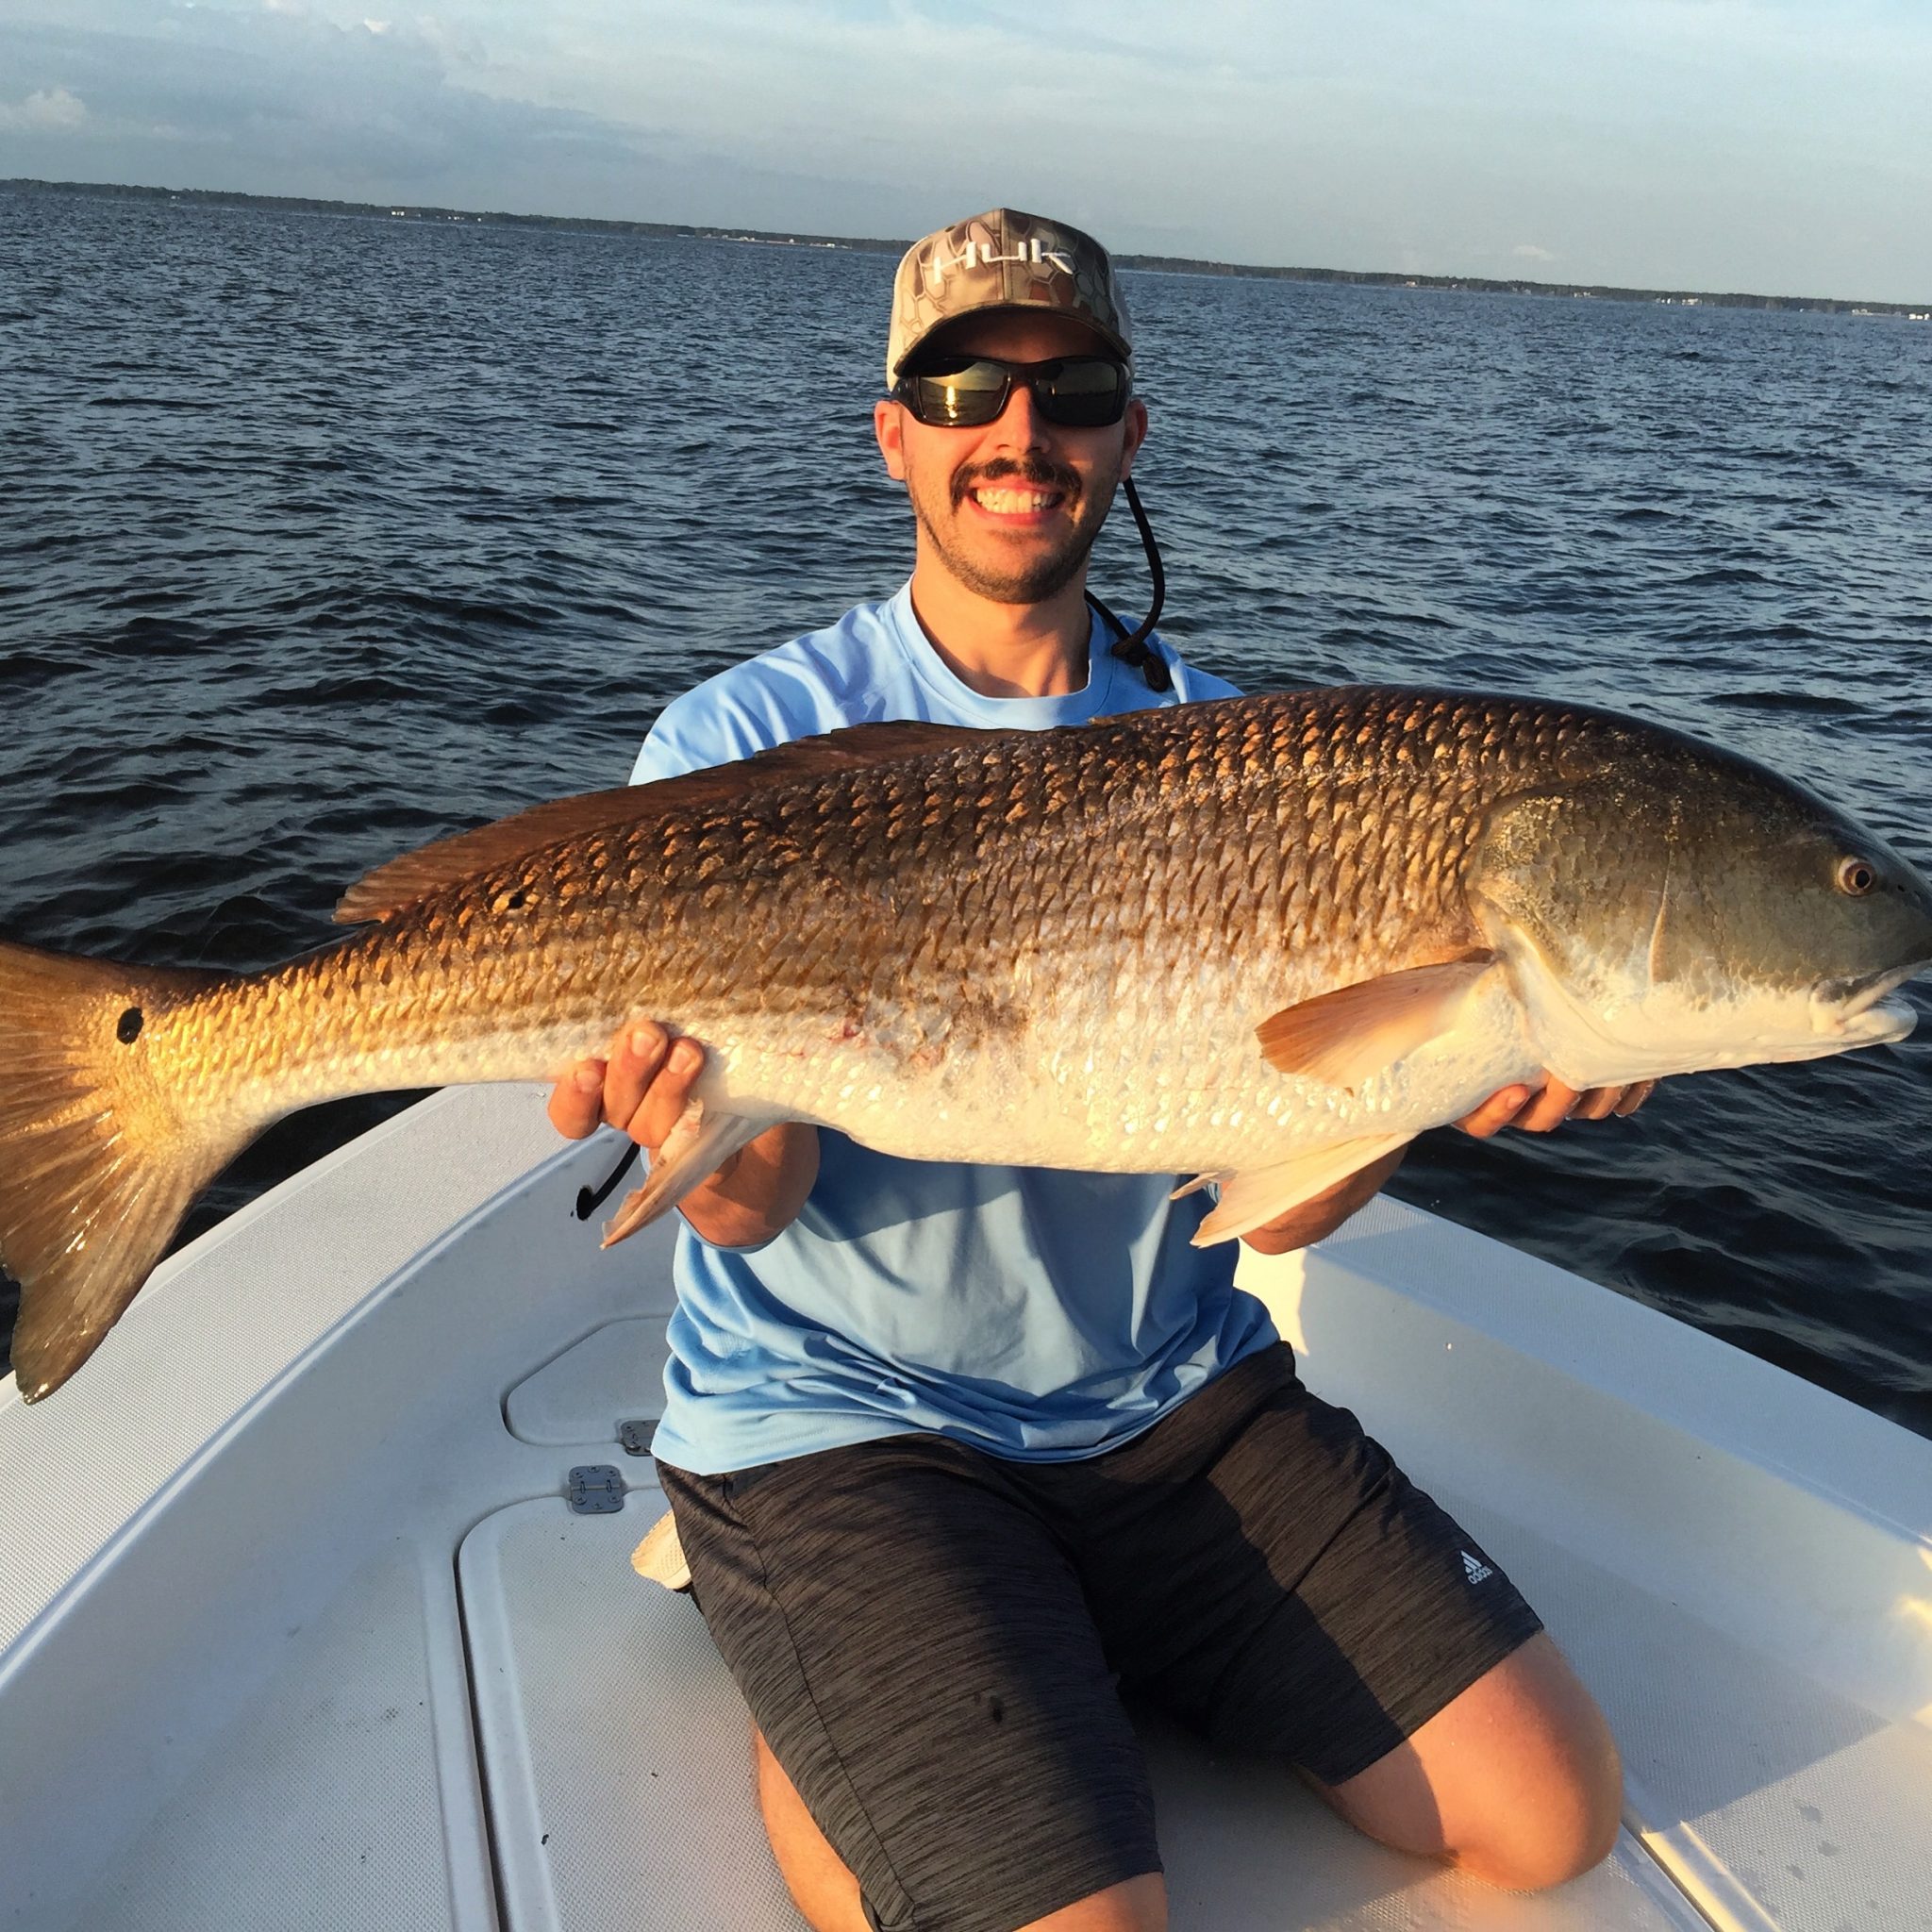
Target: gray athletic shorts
x=934 y=1640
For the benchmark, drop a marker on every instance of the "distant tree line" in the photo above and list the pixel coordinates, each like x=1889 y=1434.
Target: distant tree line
x=1157 y=264
x=1484 y=285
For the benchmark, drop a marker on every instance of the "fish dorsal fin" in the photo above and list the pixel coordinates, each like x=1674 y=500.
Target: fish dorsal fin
x=401 y=882
x=1344 y=1037
x=404 y=881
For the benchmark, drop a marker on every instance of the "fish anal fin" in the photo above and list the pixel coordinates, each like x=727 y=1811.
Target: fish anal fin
x=1345 y=1035
x=695 y=1148
x=415 y=876
x=1266 y=1193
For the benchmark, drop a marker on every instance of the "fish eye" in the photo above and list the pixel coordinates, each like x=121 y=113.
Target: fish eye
x=1856 y=878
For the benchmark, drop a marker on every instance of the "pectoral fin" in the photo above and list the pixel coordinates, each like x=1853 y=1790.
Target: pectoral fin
x=695 y=1148
x=1266 y=1193
x=1345 y=1035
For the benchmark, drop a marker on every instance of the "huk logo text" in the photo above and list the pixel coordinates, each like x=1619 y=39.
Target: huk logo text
x=977 y=255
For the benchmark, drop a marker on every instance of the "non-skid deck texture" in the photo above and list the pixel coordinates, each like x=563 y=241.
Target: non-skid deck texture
x=616 y=1752
x=343 y=1738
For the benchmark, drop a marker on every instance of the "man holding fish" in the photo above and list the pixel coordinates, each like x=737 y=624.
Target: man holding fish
x=954 y=1450
x=965 y=1421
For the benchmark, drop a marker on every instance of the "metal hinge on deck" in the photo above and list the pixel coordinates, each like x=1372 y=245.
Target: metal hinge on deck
x=595 y=1488
x=634 y=1438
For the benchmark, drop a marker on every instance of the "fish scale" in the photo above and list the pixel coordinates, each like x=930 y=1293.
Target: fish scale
x=1265 y=940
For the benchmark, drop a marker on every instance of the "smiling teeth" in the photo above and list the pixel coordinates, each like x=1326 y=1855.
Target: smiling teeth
x=1010 y=502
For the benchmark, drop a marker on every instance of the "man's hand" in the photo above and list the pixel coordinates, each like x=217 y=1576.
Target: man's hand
x=1538 y=1109
x=642 y=1089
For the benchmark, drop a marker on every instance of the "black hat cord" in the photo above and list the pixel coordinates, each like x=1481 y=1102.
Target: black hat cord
x=1131 y=647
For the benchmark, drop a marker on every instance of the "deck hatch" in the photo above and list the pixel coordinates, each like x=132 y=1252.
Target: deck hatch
x=580 y=1398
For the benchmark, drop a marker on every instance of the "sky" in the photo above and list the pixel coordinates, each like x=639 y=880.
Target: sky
x=1774 y=147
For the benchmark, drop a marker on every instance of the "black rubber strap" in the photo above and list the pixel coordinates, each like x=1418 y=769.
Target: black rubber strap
x=588 y=1202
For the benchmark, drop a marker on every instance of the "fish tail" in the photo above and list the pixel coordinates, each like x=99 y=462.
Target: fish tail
x=97 y=1162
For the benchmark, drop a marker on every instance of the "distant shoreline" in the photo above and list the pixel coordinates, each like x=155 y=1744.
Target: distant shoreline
x=1157 y=264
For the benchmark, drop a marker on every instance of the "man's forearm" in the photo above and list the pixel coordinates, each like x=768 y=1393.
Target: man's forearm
x=759 y=1191
x=1318 y=1217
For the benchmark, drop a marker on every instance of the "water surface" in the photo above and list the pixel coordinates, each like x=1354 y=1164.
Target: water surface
x=321 y=537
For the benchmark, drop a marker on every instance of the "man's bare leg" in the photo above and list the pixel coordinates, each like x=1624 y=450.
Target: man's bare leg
x=828 y=1893
x=1517 y=1782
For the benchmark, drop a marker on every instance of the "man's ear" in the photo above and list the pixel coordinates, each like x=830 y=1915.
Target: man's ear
x=1135 y=427
x=889 y=426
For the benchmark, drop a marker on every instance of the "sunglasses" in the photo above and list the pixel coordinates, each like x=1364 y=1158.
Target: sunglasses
x=1075 y=392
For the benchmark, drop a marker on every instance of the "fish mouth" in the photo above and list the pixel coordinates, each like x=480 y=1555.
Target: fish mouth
x=1860 y=1009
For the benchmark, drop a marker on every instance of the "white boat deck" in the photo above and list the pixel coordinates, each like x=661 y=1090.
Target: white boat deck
x=297 y=1628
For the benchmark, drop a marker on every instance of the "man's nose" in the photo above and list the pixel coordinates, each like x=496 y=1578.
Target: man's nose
x=1021 y=422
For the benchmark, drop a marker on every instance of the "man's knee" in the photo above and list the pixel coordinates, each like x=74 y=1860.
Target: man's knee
x=823 y=1889
x=1551 y=1810
x=1516 y=1782
x=1571 y=1829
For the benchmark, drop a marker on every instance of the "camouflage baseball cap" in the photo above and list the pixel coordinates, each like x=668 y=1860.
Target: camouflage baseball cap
x=1002 y=259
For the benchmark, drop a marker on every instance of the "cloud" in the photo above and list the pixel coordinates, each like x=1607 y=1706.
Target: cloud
x=1773 y=145
x=281 y=100
x=49 y=110
x=278 y=98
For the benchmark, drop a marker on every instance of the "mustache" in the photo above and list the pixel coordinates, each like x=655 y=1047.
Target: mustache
x=1034 y=469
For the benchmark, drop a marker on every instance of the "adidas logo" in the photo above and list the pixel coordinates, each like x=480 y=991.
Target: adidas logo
x=1476 y=1571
